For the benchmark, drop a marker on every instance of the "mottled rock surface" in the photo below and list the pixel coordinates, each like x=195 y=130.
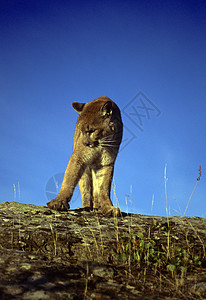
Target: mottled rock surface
x=45 y=254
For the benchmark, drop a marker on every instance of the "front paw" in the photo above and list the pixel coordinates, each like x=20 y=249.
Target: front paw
x=58 y=204
x=111 y=211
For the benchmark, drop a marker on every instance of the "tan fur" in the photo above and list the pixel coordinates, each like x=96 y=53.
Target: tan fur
x=97 y=138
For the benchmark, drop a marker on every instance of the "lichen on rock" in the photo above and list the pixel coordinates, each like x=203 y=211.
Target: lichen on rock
x=82 y=254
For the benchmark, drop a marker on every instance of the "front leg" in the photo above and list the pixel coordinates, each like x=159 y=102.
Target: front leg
x=103 y=187
x=73 y=173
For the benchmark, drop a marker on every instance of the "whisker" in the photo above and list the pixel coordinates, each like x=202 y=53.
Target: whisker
x=109 y=145
x=111 y=136
x=110 y=142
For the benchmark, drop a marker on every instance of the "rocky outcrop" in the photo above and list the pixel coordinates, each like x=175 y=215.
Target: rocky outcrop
x=45 y=254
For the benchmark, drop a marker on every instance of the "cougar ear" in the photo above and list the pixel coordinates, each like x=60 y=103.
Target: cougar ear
x=106 y=109
x=78 y=106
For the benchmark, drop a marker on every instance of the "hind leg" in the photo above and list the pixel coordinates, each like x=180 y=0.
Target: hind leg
x=103 y=185
x=96 y=191
x=85 y=186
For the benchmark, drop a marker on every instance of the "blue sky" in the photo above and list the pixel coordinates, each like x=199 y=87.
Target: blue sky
x=138 y=53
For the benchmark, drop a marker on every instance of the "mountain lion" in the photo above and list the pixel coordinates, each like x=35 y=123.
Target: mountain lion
x=97 y=137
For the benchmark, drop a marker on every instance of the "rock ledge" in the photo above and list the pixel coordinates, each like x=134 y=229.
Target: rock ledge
x=80 y=254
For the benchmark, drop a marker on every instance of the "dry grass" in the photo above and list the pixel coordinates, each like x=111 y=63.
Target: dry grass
x=148 y=263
